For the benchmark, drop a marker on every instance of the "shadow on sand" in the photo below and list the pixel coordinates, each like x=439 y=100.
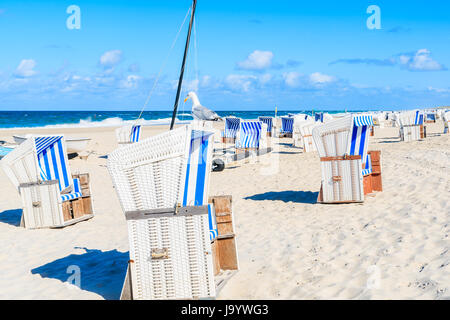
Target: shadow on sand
x=102 y=272
x=287 y=196
x=11 y=217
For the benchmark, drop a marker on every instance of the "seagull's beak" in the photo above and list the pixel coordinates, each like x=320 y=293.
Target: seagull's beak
x=187 y=98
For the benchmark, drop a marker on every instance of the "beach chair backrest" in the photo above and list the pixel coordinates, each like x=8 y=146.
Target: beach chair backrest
x=231 y=127
x=287 y=124
x=360 y=136
x=250 y=133
x=52 y=160
x=198 y=168
x=164 y=170
x=268 y=121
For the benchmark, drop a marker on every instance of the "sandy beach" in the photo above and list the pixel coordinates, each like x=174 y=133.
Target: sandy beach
x=393 y=246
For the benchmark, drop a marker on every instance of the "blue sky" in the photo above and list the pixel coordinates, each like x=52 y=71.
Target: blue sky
x=246 y=55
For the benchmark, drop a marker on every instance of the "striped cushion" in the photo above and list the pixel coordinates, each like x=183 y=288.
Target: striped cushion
x=76 y=193
x=366 y=172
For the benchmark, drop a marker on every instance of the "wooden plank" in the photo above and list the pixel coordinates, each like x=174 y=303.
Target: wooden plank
x=216 y=258
x=377 y=183
x=67 y=210
x=77 y=208
x=87 y=205
x=222 y=204
x=367 y=184
x=227 y=254
x=84 y=179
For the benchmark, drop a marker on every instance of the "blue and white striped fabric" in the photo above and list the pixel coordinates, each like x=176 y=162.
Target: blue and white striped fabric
x=135 y=133
x=249 y=134
x=368 y=166
x=287 y=125
x=197 y=169
x=52 y=160
x=213 y=232
x=268 y=121
x=76 y=193
x=53 y=165
x=231 y=127
x=362 y=120
x=360 y=140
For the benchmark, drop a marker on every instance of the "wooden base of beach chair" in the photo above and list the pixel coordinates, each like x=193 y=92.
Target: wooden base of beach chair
x=269 y=134
x=423 y=132
x=228 y=140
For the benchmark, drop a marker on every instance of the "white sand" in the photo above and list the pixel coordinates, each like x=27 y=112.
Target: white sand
x=394 y=246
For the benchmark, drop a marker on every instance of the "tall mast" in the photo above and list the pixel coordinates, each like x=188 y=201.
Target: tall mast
x=180 y=81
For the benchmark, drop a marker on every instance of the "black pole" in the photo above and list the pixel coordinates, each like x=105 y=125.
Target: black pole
x=180 y=81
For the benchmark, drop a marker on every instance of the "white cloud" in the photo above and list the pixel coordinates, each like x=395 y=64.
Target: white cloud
x=420 y=61
x=257 y=60
x=240 y=82
x=292 y=79
x=131 y=81
x=111 y=58
x=26 y=68
x=320 y=78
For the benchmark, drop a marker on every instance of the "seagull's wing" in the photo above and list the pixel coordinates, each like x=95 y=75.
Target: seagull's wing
x=203 y=113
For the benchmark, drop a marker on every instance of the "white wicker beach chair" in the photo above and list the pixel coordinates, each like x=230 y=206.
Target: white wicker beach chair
x=231 y=129
x=162 y=183
x=305 y=129
x=251 y=135
x=269 y=122
x=342 y=146
x=411 y=125
x=40 y=171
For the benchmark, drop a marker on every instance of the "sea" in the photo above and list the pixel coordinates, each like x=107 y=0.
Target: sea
x=86 y=119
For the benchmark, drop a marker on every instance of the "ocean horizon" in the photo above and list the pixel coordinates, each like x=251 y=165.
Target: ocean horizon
x=86 y=119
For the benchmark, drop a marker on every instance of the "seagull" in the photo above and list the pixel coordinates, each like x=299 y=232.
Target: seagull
x=199 y=112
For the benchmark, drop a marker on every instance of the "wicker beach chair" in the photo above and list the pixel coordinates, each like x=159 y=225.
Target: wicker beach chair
x=305 y=129
x=251 y=135
x=162 y=183
x=269 y=122
x=51 y=195
x=230 y=130
x=411 y=125
x=287 y=127
x=345 y=163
